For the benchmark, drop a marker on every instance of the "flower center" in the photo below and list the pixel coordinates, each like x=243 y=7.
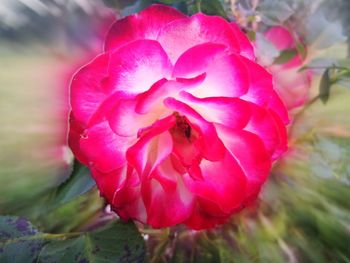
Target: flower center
x=185 y=144
x=181 y=130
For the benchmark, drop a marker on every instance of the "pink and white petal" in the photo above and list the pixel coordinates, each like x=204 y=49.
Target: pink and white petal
x=269 y=127
x=260 y=84
x=292 y=86
x=180 y=35
x=209 y=143
x=76 y=131
x=225 y=75
x=103 y=111
x=150 y=100
x=104 y=149
x=127 y=201
x=89 y=88
x=186 y=148
x=144 y=25
x=135 y=67
x=223 y=184
x=280 y=37
x=109 y=183
x=166 y=206
x=124 y=121
x=231 y=112
x=165 y=174
x=277 y=105
x=282 y=131
x=246 y=48
x=154 y=146
x=134 y=209
x=255 y=161
x=197 y=59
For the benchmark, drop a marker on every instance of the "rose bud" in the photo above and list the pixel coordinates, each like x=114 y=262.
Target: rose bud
x=291 y=83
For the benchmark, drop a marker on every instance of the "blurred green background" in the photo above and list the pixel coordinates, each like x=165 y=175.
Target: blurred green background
x=303 y=214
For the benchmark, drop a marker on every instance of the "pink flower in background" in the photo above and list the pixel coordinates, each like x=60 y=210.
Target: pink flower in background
x=291 y=84
x=175 y=120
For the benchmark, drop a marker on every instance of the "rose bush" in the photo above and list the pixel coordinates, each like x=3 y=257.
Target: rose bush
x=291 y=84
x=176 y=120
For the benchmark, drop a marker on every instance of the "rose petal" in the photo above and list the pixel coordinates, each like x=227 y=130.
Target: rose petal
x=89 y=89
x=200 y=220
x=150 y=100
x=211 y=147
x=166 y=207
x=136 y=66
x=144 y=25
x=152 y=147
x=103 y=148
x=180 y=35
x=255 y=161
x=111 y=182
x=225 y=75
x=291 y=85
x=232 y=112
x=125 y=122
x=270 y=128
x=280 y=37
x=260 y=83
x=127 y=201
x=76 y=130
x=224 y=183
x=278 y=107
x=246 y=47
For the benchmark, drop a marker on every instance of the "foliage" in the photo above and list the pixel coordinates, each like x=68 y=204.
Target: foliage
x=302 y=215
x=210 y=7
x=117 y=242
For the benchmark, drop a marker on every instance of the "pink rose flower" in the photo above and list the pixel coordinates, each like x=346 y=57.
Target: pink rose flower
x=291 y=84
x=175 y=120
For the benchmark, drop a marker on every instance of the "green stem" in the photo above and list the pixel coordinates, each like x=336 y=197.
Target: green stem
x=331 y=67
x=198 y=5
x=41 y=236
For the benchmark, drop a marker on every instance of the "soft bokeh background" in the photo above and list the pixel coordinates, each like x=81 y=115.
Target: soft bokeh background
x=42 y=43
x=303 y=214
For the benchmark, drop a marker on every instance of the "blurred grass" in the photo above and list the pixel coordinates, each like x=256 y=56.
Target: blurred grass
x=30 y=150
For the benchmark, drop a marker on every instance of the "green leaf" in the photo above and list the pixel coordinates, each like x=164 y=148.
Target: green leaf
x=212 y=7
x=169 y=2
x=285 y=56
x=116 y=242
x=301 y=49
x=20 y=241
x=344 y=78
x=119 y=4
x=209 y=7
x=78 y=183
x=325 y=86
